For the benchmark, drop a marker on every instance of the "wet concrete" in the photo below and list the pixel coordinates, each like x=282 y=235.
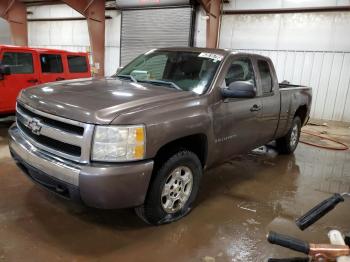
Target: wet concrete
x=239 y=202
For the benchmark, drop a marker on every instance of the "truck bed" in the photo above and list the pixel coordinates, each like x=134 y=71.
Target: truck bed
x=292 y=97
x=288 y=85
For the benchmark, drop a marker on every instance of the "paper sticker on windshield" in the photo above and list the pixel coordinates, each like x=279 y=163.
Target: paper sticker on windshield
x=215 y=57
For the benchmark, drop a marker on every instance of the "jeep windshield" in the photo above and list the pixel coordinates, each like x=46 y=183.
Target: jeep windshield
x=186 y=71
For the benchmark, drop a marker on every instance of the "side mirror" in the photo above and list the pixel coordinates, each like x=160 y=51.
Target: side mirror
x=239 y=89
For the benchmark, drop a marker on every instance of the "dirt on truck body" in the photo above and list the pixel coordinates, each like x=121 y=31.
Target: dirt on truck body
x=143 y=137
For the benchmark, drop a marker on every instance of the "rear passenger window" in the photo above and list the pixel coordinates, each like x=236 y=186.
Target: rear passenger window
x=20 y=63
x=77 y=64
x=266 y=78
x=240 y=70
x=51 y=63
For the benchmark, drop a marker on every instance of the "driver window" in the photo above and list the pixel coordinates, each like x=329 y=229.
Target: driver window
x=240 y=70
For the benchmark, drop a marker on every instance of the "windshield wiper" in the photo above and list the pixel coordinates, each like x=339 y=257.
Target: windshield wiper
x=129 y=77
x=162 y=82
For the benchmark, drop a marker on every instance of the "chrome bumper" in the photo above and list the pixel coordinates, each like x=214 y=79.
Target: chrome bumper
x=35 y=158
x=106 y=186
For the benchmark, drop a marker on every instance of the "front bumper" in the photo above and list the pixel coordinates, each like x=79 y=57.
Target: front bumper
x=106 y=186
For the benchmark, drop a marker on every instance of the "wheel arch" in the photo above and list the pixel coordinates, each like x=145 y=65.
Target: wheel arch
x=197 y=143
x=302 y=113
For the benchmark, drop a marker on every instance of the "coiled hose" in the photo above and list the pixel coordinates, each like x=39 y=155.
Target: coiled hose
x=342 y=148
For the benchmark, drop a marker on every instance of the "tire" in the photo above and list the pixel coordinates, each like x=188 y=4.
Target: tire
x=286 y=145
x=160 y=207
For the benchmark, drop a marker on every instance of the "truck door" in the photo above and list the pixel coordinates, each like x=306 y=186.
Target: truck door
x=24 y=73
x=51 y=67
x=268 y=83
x=237 y=120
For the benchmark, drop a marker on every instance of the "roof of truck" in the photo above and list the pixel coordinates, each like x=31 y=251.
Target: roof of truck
x=198 y=49
x=38 y=49
x=218 y=51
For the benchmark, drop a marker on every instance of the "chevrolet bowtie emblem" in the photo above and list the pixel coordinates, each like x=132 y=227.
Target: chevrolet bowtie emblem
x=35 y=126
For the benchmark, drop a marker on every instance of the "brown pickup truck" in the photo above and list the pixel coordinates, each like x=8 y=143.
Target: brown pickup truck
x=143 y=137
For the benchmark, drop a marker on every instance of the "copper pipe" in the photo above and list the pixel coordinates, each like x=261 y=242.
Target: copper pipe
x=328 y=252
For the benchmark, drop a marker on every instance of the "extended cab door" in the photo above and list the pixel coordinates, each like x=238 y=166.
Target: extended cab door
x=24 y=73
x=51 y=67
x=237 y=120
x=270 y=97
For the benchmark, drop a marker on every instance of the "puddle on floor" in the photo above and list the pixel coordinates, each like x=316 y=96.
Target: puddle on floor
x=238 y=203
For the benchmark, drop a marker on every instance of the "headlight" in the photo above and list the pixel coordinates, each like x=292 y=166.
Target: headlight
x=119 y=143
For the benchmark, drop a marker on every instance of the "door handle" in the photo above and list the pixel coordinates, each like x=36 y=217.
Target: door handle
x=33 y=80
x=255 y=108
x=59 y=78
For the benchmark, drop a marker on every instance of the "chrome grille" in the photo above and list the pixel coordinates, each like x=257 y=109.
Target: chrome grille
x=59 y=136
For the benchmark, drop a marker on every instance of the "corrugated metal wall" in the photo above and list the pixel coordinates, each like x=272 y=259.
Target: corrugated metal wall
x=307 y=48
x=73 y=35
x=327 y=72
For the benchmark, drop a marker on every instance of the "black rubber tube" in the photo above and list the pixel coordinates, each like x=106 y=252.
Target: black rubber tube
x=292 y=259
x=288 y=242
x=318 y=211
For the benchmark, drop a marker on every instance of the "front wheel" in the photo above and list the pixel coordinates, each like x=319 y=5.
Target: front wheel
x=287 y=144
x=173 y=189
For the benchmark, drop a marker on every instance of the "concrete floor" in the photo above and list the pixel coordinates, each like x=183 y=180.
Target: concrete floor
x=238 y=204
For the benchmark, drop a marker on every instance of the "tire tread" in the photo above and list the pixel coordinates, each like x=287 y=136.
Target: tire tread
x=149 y=211
x=283 y=143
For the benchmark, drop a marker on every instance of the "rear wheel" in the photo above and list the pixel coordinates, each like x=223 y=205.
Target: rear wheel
x=173 y=189
x=288 y=143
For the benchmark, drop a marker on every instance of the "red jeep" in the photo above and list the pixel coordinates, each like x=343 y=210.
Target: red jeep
x=22 y=67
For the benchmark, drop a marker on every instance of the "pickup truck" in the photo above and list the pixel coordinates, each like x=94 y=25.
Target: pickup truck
x=143 y=137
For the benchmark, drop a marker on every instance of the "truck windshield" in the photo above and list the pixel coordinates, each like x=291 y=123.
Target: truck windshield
x=186 y=71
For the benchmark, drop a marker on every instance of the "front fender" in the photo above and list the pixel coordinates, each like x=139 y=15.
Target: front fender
x=171 y=121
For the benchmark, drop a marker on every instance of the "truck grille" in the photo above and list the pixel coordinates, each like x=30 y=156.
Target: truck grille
x=59 y=136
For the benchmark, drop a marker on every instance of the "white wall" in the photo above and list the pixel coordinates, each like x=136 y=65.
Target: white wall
x=200 y=39
x=328 y=31
x=307 y=48
x=112 y=54
x=269 y=4
x=5 y=34
x=73 y=35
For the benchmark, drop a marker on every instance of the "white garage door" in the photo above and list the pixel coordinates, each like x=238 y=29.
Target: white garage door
x=311 y=49
x=146 y=29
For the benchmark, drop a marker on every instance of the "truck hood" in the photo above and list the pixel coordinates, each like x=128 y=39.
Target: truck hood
x=97 y=101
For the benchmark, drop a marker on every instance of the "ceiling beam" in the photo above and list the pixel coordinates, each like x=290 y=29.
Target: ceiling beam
x=42 y=2
x=288 y=10
x=55 y=19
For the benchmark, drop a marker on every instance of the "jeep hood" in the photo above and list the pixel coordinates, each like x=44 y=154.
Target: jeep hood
x=98 y=101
